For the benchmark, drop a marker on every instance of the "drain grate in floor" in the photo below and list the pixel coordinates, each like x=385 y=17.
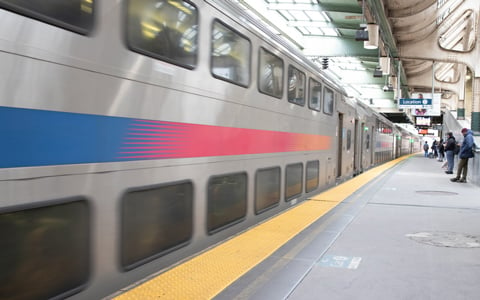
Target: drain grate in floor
x=445 y=239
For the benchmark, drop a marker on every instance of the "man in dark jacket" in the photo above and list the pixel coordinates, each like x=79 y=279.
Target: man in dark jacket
x=466 y=151
x=449 y=148
x=425 y=149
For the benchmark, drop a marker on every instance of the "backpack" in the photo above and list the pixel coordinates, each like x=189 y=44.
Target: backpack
x=457 y=149
x=425 y=147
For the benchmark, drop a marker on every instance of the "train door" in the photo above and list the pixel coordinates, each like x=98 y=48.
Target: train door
x=373 y=140
x=362 y=146
x=399 y=141
x=357 y=150
x=339 y=145
x=396 y=145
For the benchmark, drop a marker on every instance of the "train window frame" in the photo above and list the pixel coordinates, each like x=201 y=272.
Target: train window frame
x=295 y=75
x=87 y=231
x=157 y=252
x=31 y=12
x=262 y=208
x=134 y=46
x=291 y=196
x=246 y=71
x=328 y=104
x=311 y=188
x=349 y=139
x=276 y=93
x=219 y=226
x=310 y=95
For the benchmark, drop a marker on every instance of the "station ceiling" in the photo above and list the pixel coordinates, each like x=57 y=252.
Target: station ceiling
x=416 y=39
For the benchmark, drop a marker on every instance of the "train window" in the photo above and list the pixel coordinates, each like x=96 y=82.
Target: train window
x=315 y=88
x=155 y=220
x=328 y=100
x=296 y=86
x=165 y=30
x=270 y=74
x=293 y=181
x=230 y=55
x=313 y=168
x=267 y=189
x=349 y=139
x=45 y=250
x=74 y=15
x=227 y=200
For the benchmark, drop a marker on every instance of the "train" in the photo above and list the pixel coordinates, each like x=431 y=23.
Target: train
x=136 y=134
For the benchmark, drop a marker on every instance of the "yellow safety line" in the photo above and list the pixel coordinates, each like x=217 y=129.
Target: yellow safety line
x=207 y=274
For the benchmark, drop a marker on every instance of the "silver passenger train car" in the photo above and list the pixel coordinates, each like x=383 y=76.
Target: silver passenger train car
x=137 y=133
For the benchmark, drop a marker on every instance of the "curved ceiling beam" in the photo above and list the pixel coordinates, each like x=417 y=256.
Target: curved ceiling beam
x=416 y=26
x=414 y=21
x=405 y=8
x=414 y=36
x=460 y=35
x=417 y=67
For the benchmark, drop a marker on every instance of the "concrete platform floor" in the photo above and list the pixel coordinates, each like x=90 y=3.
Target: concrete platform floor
x=408 y=234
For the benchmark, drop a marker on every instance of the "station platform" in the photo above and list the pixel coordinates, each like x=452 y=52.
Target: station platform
x=398 y=231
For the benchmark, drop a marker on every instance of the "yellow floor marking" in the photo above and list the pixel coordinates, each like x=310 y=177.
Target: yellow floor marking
x=205 y=275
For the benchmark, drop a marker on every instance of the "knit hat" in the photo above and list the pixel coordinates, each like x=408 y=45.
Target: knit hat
x=464 y=130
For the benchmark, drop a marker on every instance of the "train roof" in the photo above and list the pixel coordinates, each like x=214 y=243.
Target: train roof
x=234 y=11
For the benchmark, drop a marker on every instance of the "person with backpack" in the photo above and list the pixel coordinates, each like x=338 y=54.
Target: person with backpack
x=441 y=150
x=434 y=149
x=466 y=152
x=425 y=149
x=449 y=152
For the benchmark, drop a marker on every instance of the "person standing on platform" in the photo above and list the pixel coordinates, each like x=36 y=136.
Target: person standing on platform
x=425 y=149
x=441 y=150
x=434 y=149
x=466 y=152
x=449 y=148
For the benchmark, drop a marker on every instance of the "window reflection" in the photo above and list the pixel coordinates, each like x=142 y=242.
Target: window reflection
x=44 y=251
x=230 y=55
x=227 y=200
x=296 y=86
x=167 y=30
x=75 y=15
x=313 y=170
x=154 y=221
x=315 y=94
x=293 y=181
x=270 y=74
x=267 y=189
x=328 y=101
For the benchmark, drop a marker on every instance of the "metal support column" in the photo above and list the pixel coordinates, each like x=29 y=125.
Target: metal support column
x=461 y=109
x=476 y=106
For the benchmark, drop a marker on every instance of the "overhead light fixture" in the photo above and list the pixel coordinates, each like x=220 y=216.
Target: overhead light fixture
x=372 y=42
x=361 y=34
x=385 y=65
x=377 y=72
x=388 y=88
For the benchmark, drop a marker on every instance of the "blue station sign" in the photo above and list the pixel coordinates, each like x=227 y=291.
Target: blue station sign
x=414 y=103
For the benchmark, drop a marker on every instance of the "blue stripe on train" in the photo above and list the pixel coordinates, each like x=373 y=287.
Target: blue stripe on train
x=30 y=137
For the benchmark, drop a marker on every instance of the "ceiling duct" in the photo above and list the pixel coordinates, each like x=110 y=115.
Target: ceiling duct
x=373 y=31
x=385 y=65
